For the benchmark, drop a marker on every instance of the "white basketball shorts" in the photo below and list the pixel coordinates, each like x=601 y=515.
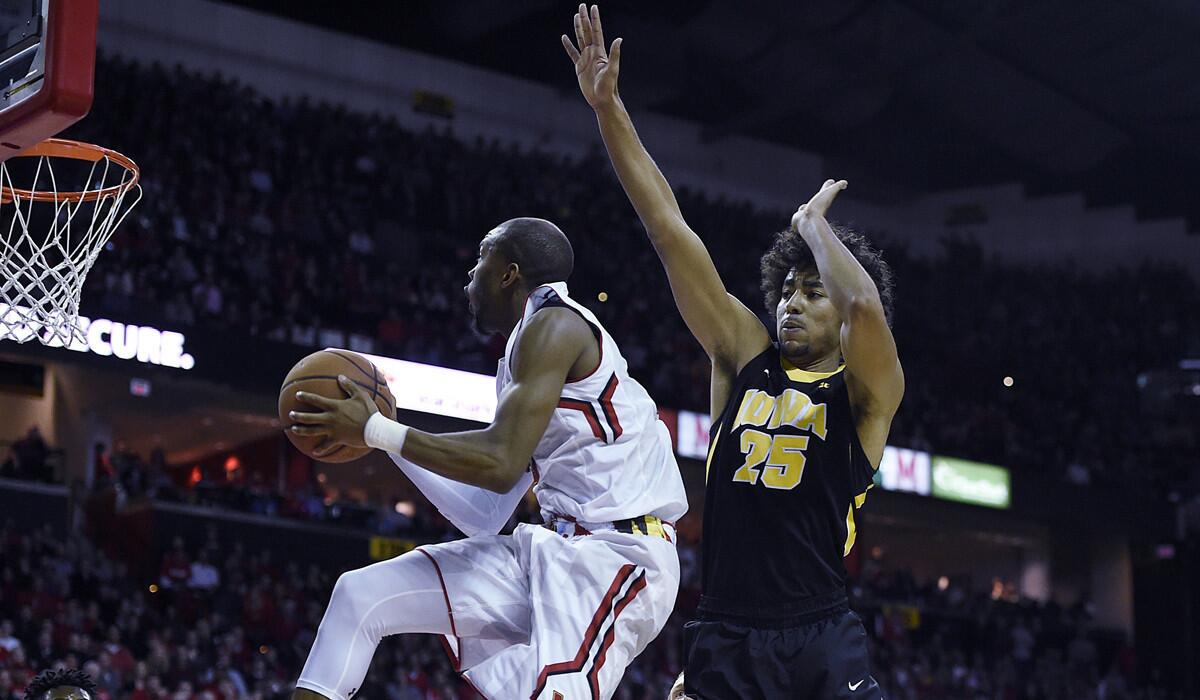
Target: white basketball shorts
x=538 y=615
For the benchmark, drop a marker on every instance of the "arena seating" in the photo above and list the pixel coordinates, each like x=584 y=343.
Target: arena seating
x=281 y=218
x=218 y=622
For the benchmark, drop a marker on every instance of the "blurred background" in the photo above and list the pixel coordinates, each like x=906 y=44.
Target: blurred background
x=320 y=176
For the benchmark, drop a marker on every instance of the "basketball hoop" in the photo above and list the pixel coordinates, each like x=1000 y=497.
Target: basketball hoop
x=50 y=236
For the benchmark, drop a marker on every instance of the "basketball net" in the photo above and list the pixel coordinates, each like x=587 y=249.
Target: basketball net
x=49 y=238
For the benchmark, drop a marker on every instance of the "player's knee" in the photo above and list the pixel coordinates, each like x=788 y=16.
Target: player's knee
x=350 y=594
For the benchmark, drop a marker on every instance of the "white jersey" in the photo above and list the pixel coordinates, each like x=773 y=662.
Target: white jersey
x=605 y=455
x=542 y=613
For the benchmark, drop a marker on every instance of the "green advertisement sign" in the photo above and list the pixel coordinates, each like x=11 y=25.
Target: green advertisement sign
x=971 y=482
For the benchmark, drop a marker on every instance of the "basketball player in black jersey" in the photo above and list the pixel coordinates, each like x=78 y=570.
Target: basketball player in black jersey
x=799 y=426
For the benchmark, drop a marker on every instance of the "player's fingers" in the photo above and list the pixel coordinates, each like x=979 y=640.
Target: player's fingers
x=614 y=57
x=310 y=418
x=309 y=430
x=572 y=52
x=315 y=400
x=585 y=21
x=352 y=390
x=827 y=184
x=580 y=41
x=597 y=30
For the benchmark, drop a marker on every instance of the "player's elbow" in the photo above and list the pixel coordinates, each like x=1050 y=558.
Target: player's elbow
x=865 y=305
x=665 y=228
x=499 y=465
x=501 y=482
x=501 y=474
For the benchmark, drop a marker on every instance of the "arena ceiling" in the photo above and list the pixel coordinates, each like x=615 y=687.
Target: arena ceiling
x=1100 y=96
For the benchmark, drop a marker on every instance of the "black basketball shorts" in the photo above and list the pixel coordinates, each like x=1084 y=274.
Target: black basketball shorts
x=816 y=661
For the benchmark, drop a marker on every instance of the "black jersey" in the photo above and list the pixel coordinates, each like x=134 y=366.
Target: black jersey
x=785 y=472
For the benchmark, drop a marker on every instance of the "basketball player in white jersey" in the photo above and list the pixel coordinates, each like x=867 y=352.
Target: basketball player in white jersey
x=555 y=611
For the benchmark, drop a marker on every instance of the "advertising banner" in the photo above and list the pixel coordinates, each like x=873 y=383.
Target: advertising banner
x=971 y=482
x=904 y=470
x=692 y=435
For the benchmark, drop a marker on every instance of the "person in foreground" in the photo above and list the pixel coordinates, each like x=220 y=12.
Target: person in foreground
x=799 y=426
x=65 y=684
x=554 y=611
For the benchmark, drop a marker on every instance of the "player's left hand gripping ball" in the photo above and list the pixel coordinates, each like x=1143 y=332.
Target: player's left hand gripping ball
x=342 y=421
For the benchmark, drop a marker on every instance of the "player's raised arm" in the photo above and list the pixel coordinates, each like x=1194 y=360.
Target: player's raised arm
x=729 y=332
x=876 y=380
x=494 y=457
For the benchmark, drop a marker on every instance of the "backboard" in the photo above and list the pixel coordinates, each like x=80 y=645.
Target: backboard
x=47 y=64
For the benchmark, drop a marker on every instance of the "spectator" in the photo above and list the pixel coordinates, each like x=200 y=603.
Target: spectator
x=176 y=569
x=204 y=575
x=29 y=456
x=8 y=643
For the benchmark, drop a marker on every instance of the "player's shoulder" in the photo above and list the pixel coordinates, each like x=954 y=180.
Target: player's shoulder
x=555 y=326
x=764 y=360
x=749 y=335
x=549 y=341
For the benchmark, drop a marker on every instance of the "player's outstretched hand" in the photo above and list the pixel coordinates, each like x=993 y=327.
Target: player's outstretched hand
x=595 y=67
x=820 y=202
x=342 y=421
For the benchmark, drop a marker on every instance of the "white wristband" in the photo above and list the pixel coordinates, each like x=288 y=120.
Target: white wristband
x=383 y=433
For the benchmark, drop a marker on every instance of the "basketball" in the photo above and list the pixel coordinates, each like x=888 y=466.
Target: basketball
x=318 y=374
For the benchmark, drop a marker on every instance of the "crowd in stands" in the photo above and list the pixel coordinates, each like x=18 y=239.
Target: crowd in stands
x=287 y=218
x=284 y=218
x=218 y=622
x=127 y=479
x=948 y=639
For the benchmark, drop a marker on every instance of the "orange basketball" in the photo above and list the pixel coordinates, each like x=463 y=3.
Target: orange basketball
x=318 y=374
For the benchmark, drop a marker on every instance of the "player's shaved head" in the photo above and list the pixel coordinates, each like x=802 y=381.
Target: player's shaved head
x=538 y=247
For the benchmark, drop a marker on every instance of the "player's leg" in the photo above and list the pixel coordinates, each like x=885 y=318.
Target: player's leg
x=597 y=602
x=394 y=596
x=836 y=660
x=726 y=661
x=618 y=609
x=822 y=659
x=404 y=595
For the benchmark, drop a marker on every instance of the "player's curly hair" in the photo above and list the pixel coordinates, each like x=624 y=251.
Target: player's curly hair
x=49 y=679
x=790 y=251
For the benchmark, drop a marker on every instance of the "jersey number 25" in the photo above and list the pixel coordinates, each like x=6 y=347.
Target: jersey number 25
x=783 y=456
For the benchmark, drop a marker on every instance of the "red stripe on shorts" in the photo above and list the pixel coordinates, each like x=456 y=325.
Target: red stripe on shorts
x=594 y=674
x=589 y=636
